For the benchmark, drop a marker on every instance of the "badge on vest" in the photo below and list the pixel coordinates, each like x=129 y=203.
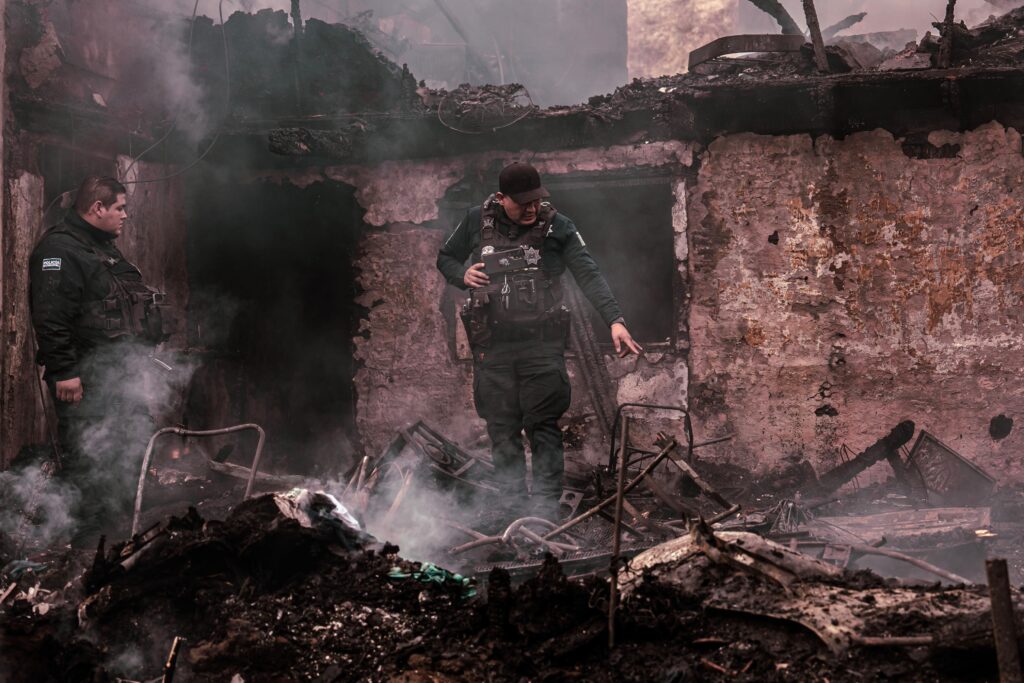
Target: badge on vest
x=51 y=264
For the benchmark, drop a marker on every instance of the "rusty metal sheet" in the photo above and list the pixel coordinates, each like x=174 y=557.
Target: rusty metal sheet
x=727 y=45
x=948 y=477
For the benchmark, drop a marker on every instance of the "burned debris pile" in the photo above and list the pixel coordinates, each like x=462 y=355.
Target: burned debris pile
x=291 y=586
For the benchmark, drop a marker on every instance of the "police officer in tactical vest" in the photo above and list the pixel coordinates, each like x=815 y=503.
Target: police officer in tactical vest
x=94 y=317
x=518 y=327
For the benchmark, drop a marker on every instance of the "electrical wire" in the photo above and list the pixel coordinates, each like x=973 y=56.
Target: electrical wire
x=227 y=111
x=177 y=114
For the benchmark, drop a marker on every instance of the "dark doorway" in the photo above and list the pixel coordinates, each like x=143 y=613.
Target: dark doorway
x=272 y=314
x=627 y=226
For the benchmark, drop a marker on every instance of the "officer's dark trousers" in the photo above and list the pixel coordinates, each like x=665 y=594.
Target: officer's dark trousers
x=103 y=439
x=523 y=386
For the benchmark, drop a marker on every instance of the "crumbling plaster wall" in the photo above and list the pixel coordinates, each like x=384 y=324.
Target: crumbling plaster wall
x=840 y=286
x=408 y=370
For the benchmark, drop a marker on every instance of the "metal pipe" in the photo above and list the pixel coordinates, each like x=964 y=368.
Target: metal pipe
x=192 y=432
x=512 y=528
x=613 y=566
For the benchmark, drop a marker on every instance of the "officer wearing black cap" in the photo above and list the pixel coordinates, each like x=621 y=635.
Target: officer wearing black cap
x=518 y=327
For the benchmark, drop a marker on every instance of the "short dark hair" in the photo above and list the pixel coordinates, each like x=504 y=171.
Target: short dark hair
x=97 y=189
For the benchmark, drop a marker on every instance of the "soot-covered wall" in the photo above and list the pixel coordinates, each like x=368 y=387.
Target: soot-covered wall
x=827 y=290
x=841 y=286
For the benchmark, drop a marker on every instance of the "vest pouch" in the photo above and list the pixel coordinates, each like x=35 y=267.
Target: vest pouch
x=476 y=321
x=526 y=293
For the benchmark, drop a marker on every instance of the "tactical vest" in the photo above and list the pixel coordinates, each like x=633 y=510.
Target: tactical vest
x=131 y=309
x=522 y=299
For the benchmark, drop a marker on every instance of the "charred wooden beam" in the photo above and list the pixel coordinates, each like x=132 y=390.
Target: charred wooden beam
x=820 y=58
x=852 y=20
x=946 y=48
x=1004 y=626
x=777 y=12
x=880 y=450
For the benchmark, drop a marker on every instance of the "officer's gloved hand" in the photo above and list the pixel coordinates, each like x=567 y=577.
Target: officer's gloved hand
x=70 y=390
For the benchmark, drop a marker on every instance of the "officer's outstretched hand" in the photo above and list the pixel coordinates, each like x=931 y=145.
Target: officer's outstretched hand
x=475 y=276
x=70 y=390
x=623 y=340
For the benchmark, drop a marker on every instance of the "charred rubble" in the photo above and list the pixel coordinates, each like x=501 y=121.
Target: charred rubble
x=397 y=569
x=717 y=577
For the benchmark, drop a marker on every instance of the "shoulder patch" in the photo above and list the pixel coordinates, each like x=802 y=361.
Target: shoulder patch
x=51 y=264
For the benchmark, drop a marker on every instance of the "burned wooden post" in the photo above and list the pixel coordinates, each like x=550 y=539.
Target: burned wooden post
x=1004 y=628
x=883 y=448
x=820 y=58
x=946 y=47
x=172 y=660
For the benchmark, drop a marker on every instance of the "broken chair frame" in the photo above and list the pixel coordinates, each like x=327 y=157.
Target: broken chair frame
x=192 y=432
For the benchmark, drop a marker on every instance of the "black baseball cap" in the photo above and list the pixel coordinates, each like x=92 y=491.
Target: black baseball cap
x=521 y=183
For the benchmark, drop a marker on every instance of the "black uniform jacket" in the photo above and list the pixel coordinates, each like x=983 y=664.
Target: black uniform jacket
x=563 y=248
x=71 y=266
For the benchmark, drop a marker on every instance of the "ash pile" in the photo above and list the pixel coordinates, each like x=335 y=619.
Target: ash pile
x=666 y=568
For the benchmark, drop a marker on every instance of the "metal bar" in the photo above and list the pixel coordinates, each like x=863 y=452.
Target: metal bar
x=894 y=641
x=1004 y=628
x=191 y=432
x=618 y=416
x=820 y=58
x=478 y=543
x=611 y=499
x=727 y=45
x=613 y=565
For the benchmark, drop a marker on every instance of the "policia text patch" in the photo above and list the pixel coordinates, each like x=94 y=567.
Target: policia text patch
x=51 y=264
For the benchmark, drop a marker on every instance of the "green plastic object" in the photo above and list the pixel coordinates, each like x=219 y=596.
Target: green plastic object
x=431 y=573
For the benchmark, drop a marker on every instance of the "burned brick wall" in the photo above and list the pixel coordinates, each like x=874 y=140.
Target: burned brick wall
x=840 y=286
